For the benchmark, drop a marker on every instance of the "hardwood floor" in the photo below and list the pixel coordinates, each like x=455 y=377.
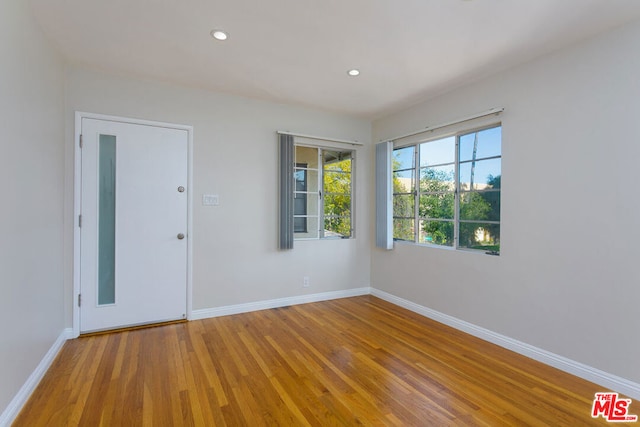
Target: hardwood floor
x=353 y=361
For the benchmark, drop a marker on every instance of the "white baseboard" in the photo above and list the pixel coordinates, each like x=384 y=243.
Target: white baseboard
x=16 y=404
x=275 y=303
x=609 y=381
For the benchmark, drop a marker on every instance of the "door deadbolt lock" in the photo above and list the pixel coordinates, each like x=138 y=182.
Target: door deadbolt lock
x=180 y=236
x=181 y=189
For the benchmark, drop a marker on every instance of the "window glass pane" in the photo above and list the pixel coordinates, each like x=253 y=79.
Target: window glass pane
x=106 y=219
x=436 y=232
x=473 y=206
x=300 y=207
x=480 y=175
x=403 y=229
x=301 y=180
x=441 y=178
x=307 y=155
x=478 y=235
x=493 y=198
x=337 y=160
x=337 y=204
x=438 y=152
x=403 y=158
x=437 y=206
x=337 y=182
x=304 y=204
x=337 y=226
x=403 y=182
x=299 y=224
x=482 y=205
x=487 y=143
x=403 y=206
x=308 y=179
x=312 y=230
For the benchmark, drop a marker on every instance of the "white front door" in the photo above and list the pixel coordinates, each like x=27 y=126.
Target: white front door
x=133 y=233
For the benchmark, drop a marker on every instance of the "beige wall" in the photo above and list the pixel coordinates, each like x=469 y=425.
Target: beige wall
x=236 y=259
x=31 y=173
x=567 y=279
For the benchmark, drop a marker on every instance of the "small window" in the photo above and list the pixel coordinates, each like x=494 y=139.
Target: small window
x=323 y=202
x=446 y=192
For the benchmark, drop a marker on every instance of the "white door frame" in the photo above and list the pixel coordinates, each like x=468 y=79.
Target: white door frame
x=77 y=203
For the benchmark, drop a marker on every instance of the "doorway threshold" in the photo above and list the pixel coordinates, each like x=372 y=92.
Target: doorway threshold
x=131 y=328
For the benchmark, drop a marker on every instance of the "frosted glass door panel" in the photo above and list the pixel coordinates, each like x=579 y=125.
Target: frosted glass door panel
x=107 y=220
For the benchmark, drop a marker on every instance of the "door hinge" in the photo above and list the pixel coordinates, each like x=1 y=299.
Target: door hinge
x=79 y=299
x=80 y=221
x=80 y=140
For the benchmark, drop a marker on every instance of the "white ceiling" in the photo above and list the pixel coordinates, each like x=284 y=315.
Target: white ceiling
x=298 y=51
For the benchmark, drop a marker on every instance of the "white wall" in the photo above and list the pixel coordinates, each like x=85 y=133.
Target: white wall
x=568 y=277
x=236 y=156
x=31 y=173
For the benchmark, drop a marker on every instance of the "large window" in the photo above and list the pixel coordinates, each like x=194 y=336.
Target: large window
x=323 y=203
x=446 y=192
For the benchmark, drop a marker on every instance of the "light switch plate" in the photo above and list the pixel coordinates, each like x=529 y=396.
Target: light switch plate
x=210 y=200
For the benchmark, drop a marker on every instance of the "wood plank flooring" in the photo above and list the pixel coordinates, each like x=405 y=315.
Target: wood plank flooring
x=352 y=361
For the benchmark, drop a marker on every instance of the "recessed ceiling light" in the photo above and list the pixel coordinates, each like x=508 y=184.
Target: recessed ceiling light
x=219 y=35
x=354 y=72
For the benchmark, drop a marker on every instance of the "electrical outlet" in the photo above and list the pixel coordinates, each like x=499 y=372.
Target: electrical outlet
x=305 y=282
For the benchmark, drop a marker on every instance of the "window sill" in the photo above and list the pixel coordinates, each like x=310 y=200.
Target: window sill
x=323 y=239
x=446 y=248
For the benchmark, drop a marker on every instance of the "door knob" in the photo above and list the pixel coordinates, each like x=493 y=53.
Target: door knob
x=180 y=236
